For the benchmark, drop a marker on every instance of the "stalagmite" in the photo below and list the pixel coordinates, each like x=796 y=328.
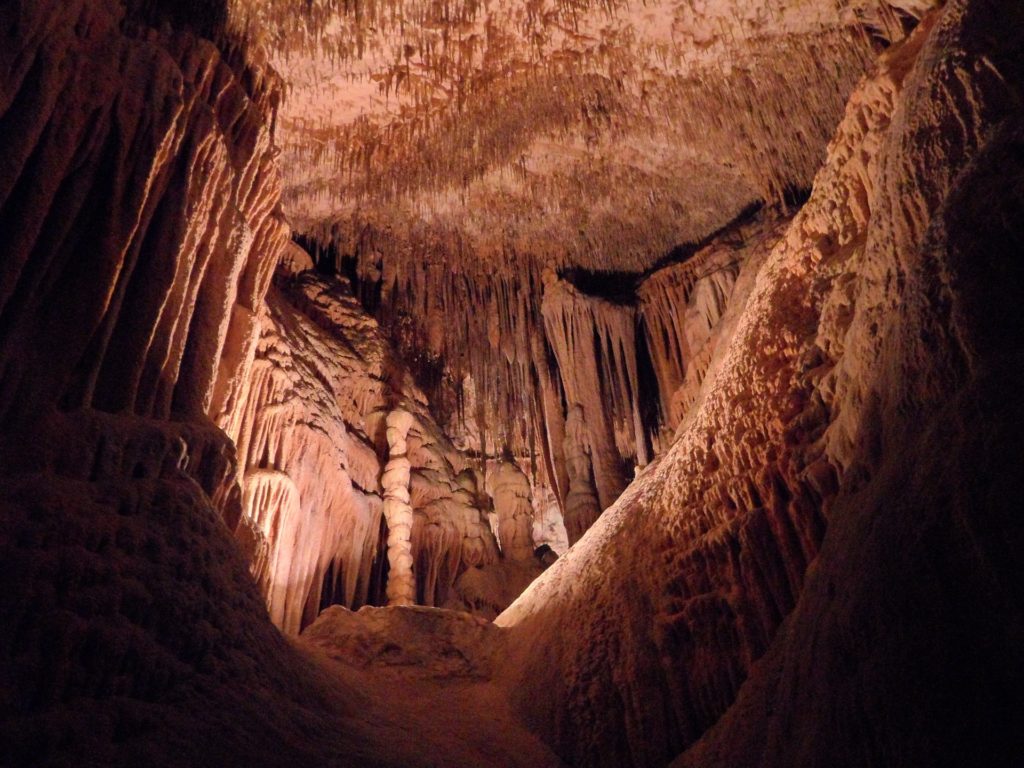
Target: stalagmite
x=398 y=512
x=510 y=490
x=581 y=505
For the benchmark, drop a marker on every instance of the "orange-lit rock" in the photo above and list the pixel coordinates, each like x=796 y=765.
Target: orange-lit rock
x=398 y=512
x=725 y=293
x=820 y=370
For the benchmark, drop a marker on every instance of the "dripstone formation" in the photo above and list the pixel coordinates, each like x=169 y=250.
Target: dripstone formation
x=528 y=383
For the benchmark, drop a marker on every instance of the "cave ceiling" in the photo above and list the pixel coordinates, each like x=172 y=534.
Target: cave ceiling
x=597 y=135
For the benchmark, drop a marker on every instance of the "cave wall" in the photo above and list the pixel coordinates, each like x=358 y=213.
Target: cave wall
x=904 y=647
x=310 y=430
x=803 y=577
x=848 y=360
x=139 y=226
x=139 y=179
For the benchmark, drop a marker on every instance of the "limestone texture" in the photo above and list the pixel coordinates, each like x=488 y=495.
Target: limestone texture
x=528 y=383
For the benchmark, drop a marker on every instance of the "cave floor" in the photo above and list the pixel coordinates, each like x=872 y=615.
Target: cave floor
x=424 y=684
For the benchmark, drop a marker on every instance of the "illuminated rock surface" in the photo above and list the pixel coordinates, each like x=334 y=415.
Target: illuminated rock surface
x=308 y=308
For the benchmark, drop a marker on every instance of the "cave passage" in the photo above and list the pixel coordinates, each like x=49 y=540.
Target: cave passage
x=533 y=383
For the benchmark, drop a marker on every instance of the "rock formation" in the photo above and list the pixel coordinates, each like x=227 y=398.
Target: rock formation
x=548 y=522
x=398 y=511
x=821 y=377
x=581 y=504
x=312 y=443
x=511 y=493
x=308 y=475
x=681 y=306
x=306 y=308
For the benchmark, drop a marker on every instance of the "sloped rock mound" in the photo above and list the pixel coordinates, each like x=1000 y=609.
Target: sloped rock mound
x=425 y=641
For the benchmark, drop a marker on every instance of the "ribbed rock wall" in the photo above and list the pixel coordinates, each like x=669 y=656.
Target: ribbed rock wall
x=680 y=307
x=139 y=226
x=905 y=645
x=849 y=329
x=311 y=428
x=139 y=179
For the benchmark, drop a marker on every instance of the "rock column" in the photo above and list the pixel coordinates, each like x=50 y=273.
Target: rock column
x=582 y=507
x=398 y=513
x=511 y=494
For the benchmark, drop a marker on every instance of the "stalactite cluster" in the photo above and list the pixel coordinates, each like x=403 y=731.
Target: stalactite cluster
x=309 y=473
x=441 y=154
x=568 y=360
x=324 y=454
x=446 y=137
x=680 y=307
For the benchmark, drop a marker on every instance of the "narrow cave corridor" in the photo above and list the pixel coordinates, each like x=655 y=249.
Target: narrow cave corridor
x=511 y=383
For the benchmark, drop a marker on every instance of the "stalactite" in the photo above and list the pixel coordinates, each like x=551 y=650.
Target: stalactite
x=593 y=340
x=548 y=394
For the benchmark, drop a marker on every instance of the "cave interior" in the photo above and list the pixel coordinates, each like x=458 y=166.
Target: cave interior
x=511 y=383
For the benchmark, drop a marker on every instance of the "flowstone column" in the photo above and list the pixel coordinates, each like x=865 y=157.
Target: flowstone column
x=511 y=494
x=398 y=512
x=582 y=507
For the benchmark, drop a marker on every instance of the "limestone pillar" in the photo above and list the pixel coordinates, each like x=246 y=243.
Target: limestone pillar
x=582 y=507
x=511 y=494
x=401 y=588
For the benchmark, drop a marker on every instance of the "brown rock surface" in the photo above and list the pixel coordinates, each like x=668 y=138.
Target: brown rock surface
x=450 y=154
x=569 y=236
x=850 y=341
